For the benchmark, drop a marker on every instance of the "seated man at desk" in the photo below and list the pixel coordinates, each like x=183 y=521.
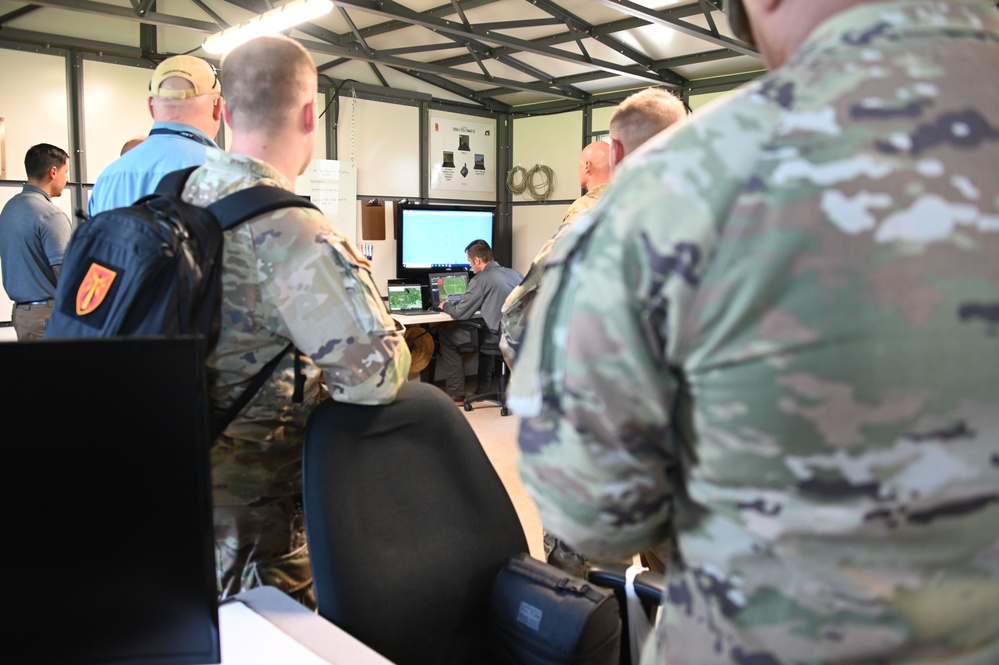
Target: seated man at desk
x=486 y=292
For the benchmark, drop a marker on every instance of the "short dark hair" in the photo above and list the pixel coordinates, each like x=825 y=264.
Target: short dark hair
x=481 y=249
x=40 y=158
x=265 y=80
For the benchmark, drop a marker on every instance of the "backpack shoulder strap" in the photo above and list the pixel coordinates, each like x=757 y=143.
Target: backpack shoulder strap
x=222 y=420
x=253 y=201
x=173 y=182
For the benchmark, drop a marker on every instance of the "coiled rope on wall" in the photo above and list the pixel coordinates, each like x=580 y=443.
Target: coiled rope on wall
x=538 y=181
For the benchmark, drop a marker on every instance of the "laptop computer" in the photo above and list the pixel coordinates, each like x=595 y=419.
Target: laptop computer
x=406 y=298
x=447 y=285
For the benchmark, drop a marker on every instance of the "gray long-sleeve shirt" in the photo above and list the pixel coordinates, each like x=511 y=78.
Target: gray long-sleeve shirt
x=486 y=293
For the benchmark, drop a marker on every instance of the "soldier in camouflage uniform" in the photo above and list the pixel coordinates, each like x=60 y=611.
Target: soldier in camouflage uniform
x=776 y=340
x=594 y=172
x=288 y=276
x=638 y=118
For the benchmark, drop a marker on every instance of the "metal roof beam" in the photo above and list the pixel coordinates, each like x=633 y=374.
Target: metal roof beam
x=442 y=10
x=456 y=89
x=526 y=23
x=45 y=39
x=578 y=24
x=394 y=9
x=154 y=18
x=670 y=19
x=18 y=13
x=222 y=23
x=354 y=52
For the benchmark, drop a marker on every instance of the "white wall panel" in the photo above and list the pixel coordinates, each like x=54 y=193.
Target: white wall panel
x=553 y=141
x=115 y=109
x=33 y=104
x=384 y=140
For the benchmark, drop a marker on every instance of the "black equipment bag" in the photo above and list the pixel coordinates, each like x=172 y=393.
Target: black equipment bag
x=154 y=268
x=541 y=615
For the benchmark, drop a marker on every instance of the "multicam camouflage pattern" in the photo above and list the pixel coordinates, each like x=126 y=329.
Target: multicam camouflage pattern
x=776 y=339
x=288 y=276
x=263 y=545
x=517 y=307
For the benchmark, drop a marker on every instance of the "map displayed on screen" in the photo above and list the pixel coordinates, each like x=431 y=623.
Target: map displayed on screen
x=447 y=285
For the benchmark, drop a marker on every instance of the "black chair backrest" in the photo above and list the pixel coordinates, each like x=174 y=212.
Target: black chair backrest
x=408 y=524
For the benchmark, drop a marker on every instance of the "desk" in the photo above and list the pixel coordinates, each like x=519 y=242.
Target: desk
x=264 y=626
x=422 y=319
x=429 y=373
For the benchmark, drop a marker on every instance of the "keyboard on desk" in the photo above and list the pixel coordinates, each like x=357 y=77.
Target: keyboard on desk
x=416 y=312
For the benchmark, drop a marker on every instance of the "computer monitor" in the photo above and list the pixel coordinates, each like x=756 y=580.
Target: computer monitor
x=108 y=512
x=405 y=298
x=447 y=286
x=432 y=238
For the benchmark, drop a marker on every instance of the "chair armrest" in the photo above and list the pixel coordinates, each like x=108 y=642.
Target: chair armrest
x=650 y=587
x=473 y=326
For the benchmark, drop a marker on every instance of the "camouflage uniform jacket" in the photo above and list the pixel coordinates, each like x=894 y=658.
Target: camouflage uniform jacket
x=776 y=340
x=517 y=307
x=288 y=276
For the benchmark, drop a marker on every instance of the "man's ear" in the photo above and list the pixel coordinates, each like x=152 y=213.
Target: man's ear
x=226 y=114
x=617 y=152
x=309 y=116
x=53 y=171
x=149 y=103
x=217 y=109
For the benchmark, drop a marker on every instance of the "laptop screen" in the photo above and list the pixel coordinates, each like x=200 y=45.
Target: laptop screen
x=447 y=285
x=405 y=298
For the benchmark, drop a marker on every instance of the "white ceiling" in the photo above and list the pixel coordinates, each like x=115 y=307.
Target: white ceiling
x=501 y=55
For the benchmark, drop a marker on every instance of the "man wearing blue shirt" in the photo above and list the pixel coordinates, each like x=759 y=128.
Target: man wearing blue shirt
x=185 y=103
x=34 y=233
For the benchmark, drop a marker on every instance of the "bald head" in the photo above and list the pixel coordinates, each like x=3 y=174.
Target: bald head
x=595 y=164
x=640 y=117
x=131 y=143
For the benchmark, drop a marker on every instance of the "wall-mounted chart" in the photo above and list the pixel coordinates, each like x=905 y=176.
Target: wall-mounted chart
x=462 y=156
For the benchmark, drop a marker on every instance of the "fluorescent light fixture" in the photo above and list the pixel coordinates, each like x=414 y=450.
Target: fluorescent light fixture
x=269 y=23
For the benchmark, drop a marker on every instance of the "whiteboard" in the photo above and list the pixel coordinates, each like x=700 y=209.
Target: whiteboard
x=332 y=185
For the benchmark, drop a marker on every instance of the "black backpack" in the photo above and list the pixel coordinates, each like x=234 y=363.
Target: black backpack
x=154 y=269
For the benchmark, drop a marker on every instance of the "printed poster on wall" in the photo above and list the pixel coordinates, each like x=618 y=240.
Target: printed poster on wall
x=332 y=185
x=462 y=156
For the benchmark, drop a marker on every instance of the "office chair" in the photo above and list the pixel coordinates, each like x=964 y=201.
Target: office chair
x=488 y=352
x=408 y=525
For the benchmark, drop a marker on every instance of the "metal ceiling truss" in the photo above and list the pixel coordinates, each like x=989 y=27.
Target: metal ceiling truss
x=483 y=44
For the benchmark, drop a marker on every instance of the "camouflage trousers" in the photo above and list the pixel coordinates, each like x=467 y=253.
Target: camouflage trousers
x=263 y=544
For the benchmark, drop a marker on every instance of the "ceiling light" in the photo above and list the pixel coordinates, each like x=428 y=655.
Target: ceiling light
x=269 y=23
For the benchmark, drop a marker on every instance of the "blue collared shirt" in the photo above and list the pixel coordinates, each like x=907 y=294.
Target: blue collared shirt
x=136 y=173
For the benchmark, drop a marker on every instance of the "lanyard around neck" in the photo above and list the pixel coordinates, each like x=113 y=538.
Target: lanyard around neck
x=187 y=135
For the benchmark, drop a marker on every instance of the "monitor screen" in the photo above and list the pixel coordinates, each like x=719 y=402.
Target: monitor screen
x=109 y=487
x=432 y=238
x=405 y=298
x=447 y=286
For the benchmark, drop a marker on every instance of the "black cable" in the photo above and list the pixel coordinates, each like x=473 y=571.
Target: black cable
x=336 y=91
